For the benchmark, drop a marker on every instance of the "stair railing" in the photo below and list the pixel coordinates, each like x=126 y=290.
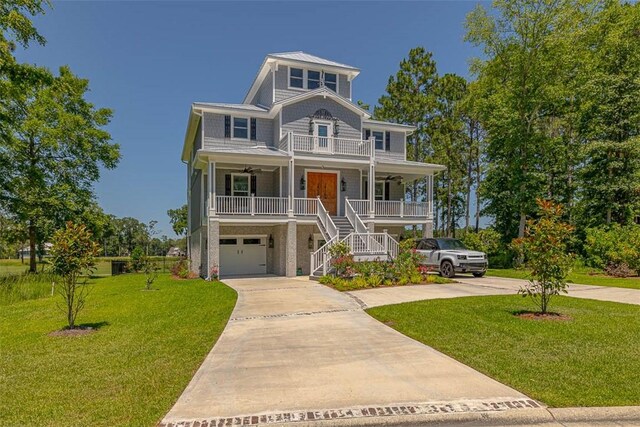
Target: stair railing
x=325 y=220
x=353 y=218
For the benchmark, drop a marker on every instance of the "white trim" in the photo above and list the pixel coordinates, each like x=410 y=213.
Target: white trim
x=384 y=187
x=306 y=186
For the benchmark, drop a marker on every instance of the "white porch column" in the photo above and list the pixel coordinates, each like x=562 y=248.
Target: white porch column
x=427 y=229
x=291 y=173
x=372 y=178
x=212 y=188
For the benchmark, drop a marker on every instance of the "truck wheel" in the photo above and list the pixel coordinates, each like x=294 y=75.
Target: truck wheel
x=447 y=270
x=478 y=273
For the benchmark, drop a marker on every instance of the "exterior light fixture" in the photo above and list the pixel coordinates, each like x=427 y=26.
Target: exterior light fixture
x=271 y=241
x=303 y=183
x=343 y=185
x=310 y=241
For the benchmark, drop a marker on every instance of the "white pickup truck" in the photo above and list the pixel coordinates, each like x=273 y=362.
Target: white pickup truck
x=450 y=256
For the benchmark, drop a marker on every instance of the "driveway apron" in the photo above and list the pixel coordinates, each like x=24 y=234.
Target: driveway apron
x=296 y=350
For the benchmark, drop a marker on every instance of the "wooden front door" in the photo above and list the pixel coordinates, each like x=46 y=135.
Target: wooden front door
x=325 y=186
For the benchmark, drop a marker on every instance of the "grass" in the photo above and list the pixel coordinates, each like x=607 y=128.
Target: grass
x=580 y=275
x=129 y=372
x=10 y=267
x=592 y=360
x=21 y=287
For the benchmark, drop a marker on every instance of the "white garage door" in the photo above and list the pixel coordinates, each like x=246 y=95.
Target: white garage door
x=240 y=255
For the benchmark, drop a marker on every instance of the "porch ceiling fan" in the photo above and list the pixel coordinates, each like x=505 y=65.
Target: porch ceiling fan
x=248 y=169
x=391 y=177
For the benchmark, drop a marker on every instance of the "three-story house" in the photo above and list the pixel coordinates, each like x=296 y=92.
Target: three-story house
x=297 y=166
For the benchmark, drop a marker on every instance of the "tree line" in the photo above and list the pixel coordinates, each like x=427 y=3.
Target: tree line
x=551 y=113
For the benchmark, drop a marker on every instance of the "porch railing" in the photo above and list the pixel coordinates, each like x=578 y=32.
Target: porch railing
x=252 y=205
x=326 y=145
x=393 y=208
x=304 y=206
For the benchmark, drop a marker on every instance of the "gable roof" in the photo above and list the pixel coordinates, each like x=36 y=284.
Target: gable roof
x=224 y=105
x=311 y=59
x=321 y=91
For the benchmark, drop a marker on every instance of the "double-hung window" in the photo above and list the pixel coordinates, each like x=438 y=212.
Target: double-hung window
x=240 y=128
x=380 y=187
x=379 y=136
x=296 y=77
x=331 y=81
x=240 y=185
x=313 y=79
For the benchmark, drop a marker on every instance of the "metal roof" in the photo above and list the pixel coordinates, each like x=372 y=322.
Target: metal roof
x=248 y=107
x=306 y=57
x=399 y=162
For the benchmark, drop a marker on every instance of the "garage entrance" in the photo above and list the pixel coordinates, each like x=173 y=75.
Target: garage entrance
x=243 y=255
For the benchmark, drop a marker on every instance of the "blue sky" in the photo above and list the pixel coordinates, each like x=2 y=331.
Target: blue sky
x=149 y=61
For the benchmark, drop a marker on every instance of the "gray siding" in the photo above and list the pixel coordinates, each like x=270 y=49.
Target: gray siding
x=266 y=182
x=396 y=191
x=214 y=132
x=396 y=148
x=295 y=117
x=276 y=129
x=343 y=86
x=351 y=177
x=264 y=95
x=196 y=200
x=282 y=91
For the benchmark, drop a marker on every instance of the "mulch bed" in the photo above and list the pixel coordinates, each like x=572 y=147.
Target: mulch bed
x=547 y=316
x=79 y=331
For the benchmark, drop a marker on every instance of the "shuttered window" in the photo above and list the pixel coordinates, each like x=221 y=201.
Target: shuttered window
x=387 y=141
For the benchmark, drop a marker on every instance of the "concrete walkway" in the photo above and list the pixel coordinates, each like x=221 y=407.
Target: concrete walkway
x=472 y=286
x=295 y=350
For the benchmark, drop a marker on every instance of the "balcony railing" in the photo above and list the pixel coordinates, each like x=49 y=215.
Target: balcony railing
x=393 y=208
x=326 y=145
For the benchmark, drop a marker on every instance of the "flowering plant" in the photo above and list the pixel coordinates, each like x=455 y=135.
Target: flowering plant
x=213 y=273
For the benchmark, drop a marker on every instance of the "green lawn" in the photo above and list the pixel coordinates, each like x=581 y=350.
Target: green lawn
x=129 y=372
x=580 y=275
x=592 y=360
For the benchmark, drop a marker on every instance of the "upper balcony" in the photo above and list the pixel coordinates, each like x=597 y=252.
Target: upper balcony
x=328 y=145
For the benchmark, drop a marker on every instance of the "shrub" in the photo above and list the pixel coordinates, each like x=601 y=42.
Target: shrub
x=618 y=270
x=137 y=259
x=608 y=247
x=73 y=252
x=181 y=269
x=487 y=241
x=544 y=248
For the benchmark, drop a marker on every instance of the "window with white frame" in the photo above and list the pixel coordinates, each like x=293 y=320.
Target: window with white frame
x=379 y=136
x=296 y=78
x=313 y=79
x=331 y=81
x=240 y=185
x=380 y=190
x=300 y=78
x=240 y=128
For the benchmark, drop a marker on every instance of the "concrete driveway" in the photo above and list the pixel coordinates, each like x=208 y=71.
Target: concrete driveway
x=295 y=350
x=468 y=286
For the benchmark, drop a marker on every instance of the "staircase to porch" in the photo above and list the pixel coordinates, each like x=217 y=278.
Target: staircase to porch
x=343 y=225
x=349 y=229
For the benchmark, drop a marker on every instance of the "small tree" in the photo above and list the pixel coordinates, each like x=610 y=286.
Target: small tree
x=73 y=252
x=150 y=270
x=544 y=248
x=137 y=258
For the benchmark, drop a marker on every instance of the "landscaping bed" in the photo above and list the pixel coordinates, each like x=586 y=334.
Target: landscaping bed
x=128 y=369
x=343 y=284
x=590 y=358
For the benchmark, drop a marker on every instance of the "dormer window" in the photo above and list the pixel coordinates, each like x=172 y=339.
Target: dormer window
x=296 y=77
x=300 y=78
x=313 y=79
